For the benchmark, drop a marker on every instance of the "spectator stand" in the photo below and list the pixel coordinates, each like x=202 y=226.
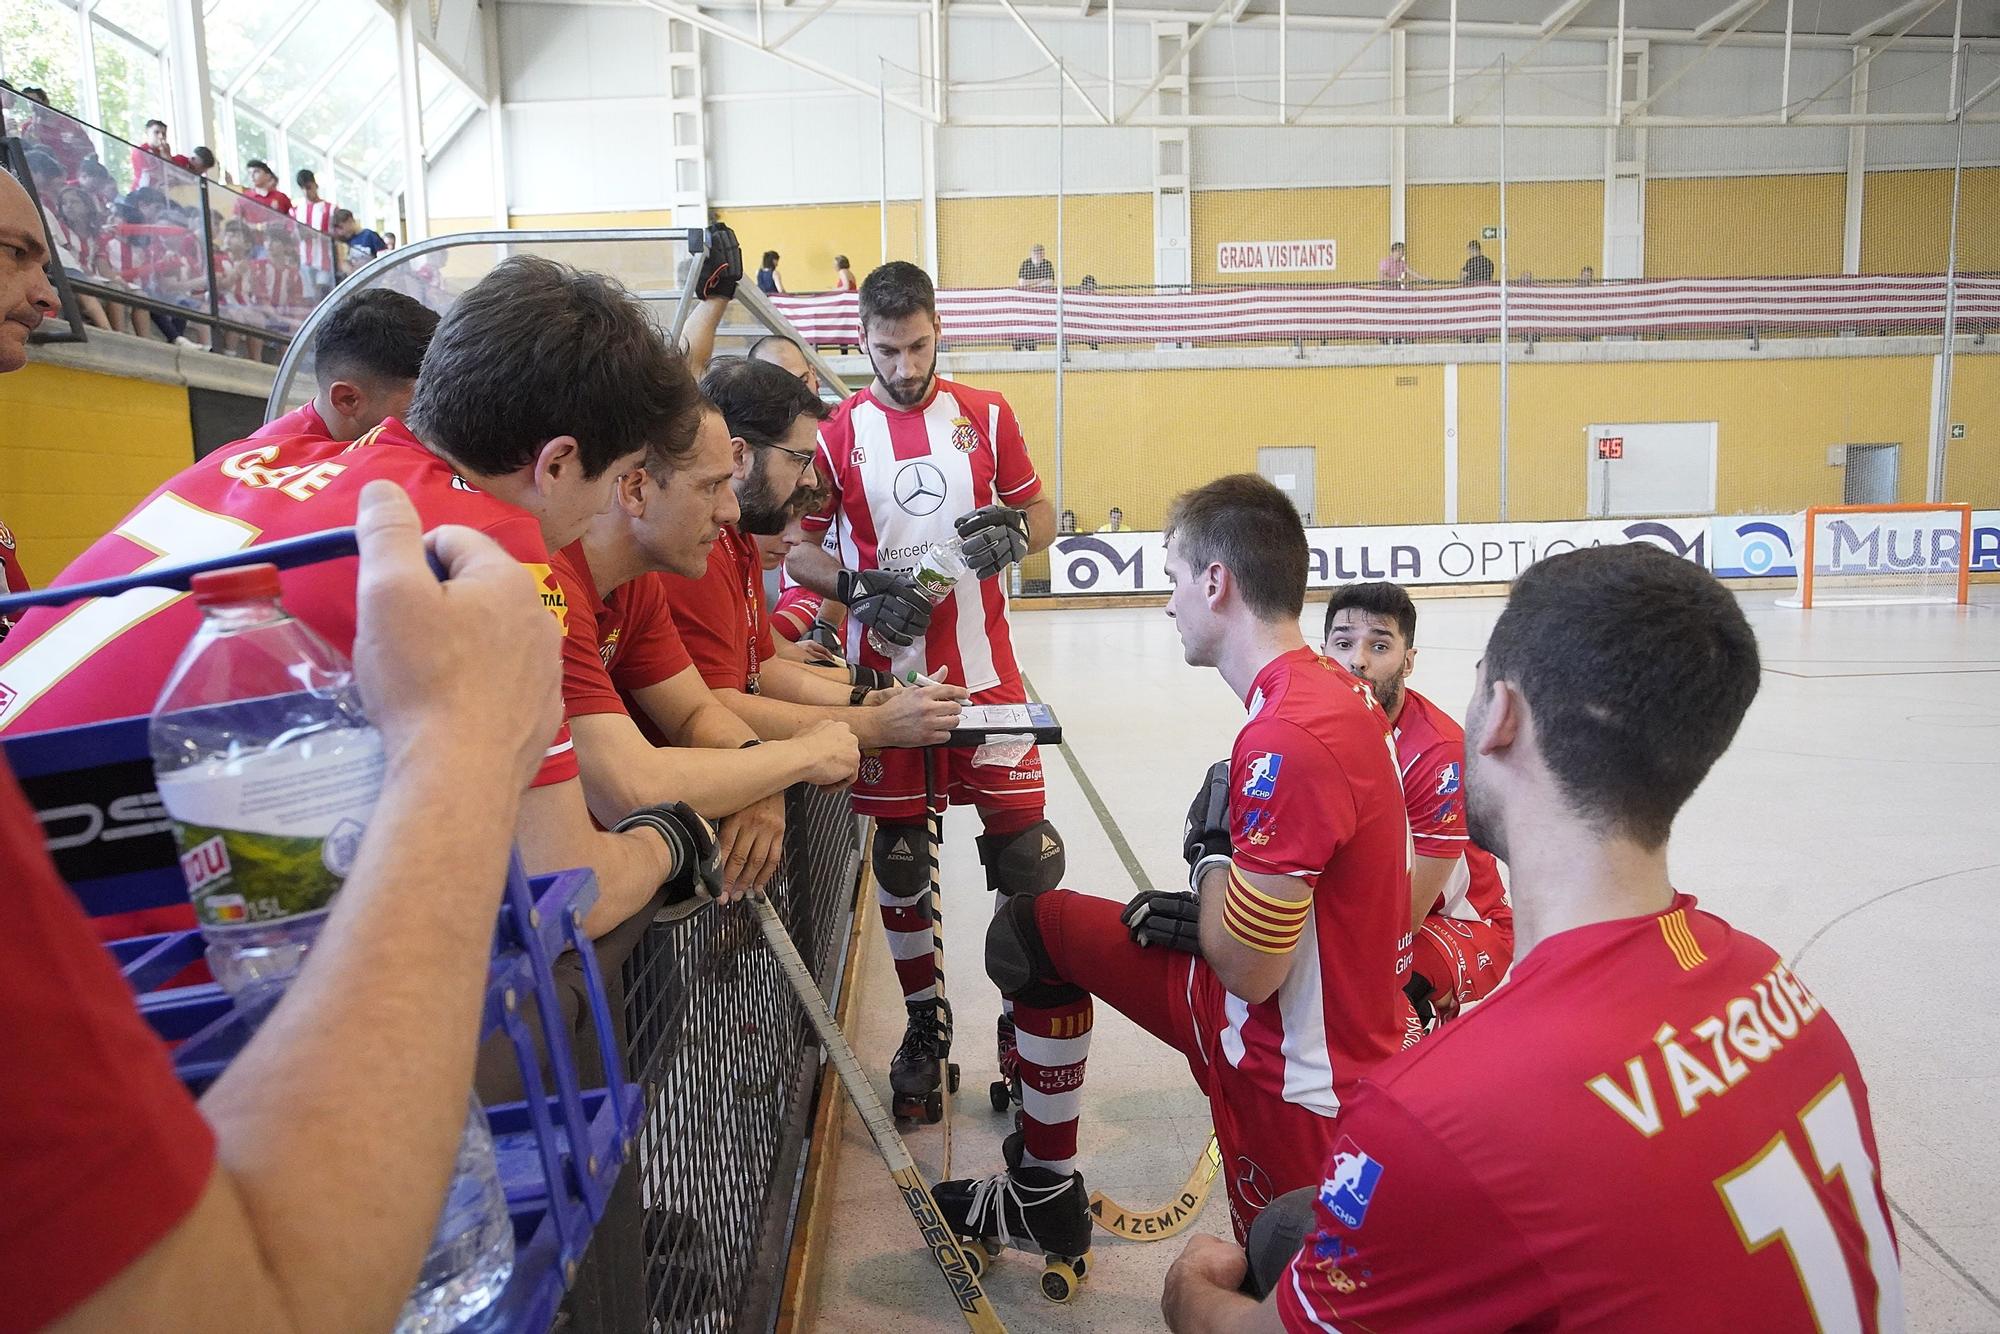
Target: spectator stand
x=559 y=1150
x=165 y=248
x=14 y=161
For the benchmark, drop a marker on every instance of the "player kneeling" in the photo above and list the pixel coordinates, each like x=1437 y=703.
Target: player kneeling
x=1275 y=977
x=1563 y=1156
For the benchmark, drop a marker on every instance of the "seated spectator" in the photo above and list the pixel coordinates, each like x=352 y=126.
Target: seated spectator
x=768 y=281
x=42 y=126
x=1115 y=522
x=76 y=225
x=1066 y=523
x=359 y=244
x=150 y=158
x=46 y=173
x=95 y=177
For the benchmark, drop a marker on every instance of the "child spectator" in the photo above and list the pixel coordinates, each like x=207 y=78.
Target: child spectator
x=359 y=244
x=75 y=224
x=843 y=275
x=768 y=281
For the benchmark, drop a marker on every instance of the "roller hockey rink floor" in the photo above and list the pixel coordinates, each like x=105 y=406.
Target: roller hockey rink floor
x=1854 y=825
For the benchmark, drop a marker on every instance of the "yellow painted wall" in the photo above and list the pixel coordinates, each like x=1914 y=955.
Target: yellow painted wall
x=1554 y=228
x=77 y=452
x=807 y=238
x=1744 y=226
x=1906 y=221
x=1355 y=218
x=981 y=242
x=1972 y=468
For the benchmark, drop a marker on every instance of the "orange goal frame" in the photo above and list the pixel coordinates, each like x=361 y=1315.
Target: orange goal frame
x=1807 y=564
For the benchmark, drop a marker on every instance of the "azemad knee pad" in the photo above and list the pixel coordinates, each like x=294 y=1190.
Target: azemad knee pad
x=1018 y=961
x=902 y=860
x=1026 y=862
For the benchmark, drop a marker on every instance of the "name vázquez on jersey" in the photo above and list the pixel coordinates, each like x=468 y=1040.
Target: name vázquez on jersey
x=1748 y=1032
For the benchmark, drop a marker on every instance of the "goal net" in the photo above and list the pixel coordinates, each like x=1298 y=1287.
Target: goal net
x=1850 y=555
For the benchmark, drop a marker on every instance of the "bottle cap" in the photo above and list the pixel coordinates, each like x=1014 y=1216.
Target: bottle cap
x=246 y=583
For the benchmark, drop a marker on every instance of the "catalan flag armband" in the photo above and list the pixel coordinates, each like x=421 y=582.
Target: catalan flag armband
x=1266 y=924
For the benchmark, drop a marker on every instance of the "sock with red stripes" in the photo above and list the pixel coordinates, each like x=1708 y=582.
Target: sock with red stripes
x=1051 y=1045
x=903 y=892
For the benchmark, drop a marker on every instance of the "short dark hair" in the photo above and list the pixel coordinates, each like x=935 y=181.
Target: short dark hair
x=203 y=157
x=535 y=350
x=895 y=291
x=1386 y=600
x=770 y=258
x=840 y=261
x=258 y=164
x=340 y=215
x=1638 y=667
x=147 y=195
x=1472 y=245
x=305 y=178
x=377 y=334
x=759 y=400
x=151 y=123
x=1246 y=525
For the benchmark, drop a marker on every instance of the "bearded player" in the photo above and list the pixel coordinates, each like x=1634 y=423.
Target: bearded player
x=915 y=460
x=1275 y=976
x=1653 y=1125
x=1462 y=923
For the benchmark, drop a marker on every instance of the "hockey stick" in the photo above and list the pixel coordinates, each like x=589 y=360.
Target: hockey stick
x=943 y=1247
x=934 y=836
x=1170 y=1219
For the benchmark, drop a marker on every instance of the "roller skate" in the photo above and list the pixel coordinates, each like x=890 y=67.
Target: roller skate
x=1005 y=1092
x=1028 y=1209
x=915 y=1069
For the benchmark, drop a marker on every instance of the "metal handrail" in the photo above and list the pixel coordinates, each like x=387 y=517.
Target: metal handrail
x=372 y=271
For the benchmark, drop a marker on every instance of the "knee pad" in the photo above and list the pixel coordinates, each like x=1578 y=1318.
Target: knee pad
x=1018 y=961
x=902 y=860
x=1025 y=862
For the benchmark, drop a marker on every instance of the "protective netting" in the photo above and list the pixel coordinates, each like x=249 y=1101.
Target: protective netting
x=727 y=1062
x=1860 y=555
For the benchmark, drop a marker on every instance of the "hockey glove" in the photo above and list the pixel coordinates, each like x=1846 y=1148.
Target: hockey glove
x=869 y=678
x=697 y=855
x=995 y=537
x=721 y=263
x=1206 y=838
x=886 y=602
x=1165 y=917
x=824 y=633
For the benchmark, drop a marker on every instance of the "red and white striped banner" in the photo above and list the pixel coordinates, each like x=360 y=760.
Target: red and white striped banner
x=1901 y=304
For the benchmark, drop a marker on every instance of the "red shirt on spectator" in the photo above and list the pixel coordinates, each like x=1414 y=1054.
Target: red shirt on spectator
x=721 y=615
x=57 y=135
x=102 y=1152
x=147 y=168
x=274 y=199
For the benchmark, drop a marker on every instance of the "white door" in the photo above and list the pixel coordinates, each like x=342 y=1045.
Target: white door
x=1641 y=468
x=1290 y=469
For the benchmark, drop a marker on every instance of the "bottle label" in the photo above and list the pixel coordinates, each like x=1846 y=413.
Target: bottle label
x=273 y=836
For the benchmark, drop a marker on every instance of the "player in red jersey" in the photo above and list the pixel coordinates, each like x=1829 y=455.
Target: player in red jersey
x=647 y=728
x=1276 y=975
x=1463 y=925
x=542 y=387
x=365 y=362
x=915 y=460
x=1653 y=1124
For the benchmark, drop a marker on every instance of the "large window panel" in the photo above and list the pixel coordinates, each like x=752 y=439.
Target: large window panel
x=131 y=89
x=346 y=98
x=143 y=19
x=299 y=60
x=253 y=140
x=38 y=42
x=236 y=30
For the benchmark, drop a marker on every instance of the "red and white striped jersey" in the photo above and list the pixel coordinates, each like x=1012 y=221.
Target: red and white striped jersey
x=900 y=479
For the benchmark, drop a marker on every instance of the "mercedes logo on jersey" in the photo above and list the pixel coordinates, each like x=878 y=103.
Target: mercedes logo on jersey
x=920 y=488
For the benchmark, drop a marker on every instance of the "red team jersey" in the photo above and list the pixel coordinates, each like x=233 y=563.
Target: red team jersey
x=1467 y=941
x=721 y=615
x=1313 y=794
x=303 y=420
x=1475 y=1182
x=900 y=479
x=625 y=641
x=108 y=658
x=10 y=573
x=798 y=607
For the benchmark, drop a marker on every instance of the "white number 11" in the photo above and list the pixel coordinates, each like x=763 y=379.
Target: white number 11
x=1769 y=1198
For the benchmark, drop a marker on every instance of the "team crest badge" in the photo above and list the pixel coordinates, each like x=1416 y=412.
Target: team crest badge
x=1263 y=775
x=1347 y=1192
x=859 y=456
x=963 y=438
x=1448 y=780
x=609 y=648
x=871 y=769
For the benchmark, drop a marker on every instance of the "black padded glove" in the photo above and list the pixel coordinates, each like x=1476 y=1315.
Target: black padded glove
x=869 y=678
x=721 y=263
x=995 y=537
x=824 y=633
x=1165 y=917
x=1205 y=838
x=691 y=838
x=886 y=602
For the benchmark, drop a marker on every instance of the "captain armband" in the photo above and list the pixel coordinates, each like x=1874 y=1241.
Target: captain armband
x=1266 y=924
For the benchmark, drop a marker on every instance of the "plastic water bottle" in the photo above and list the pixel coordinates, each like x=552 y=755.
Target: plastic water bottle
x=269 y=770
x=943 y=564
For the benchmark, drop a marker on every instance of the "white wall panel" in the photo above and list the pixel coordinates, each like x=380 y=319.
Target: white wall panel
x=1921 y=81
x=459 y=180
x=554 y=52
x=809 y=149
x=588 y=157
x=1744 y=81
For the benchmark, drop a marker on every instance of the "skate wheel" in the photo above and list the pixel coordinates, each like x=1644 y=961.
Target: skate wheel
x=997 y=1094
x=1082 y=1266
x=934 y=1108
x=1059 y=1280
x=953 y=1081
x=976 y=1255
